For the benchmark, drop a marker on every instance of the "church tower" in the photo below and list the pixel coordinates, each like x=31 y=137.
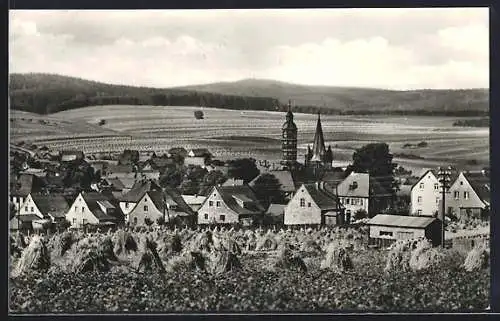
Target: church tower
x=289 y=140
x=318 y=150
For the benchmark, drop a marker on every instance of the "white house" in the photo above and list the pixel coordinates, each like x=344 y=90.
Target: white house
x=93 y=209
x=129 y=200
x=230 y=204
x=53 y=206
x=194 y=201
x=469 y=195
x=426 y=195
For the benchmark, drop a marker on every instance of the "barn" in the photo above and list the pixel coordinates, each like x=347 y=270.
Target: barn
x=385 y=229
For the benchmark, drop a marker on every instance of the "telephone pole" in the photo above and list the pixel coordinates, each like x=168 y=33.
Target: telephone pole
x=444 y=175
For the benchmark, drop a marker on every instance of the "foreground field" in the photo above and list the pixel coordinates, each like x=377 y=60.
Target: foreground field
x=223 y=131
x=258 y=285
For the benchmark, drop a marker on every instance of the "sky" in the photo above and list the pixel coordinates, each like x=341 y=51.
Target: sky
x=402 y=49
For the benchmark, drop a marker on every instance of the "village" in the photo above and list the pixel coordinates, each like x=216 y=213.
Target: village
x=56 y=190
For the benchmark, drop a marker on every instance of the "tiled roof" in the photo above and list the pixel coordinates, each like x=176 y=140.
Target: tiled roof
x=53 y=204
x=251 y=208
x=276 y=209
x=194 y=199
x=200 y=152
x=323 y=199
x=139 y=189
x=355 y=185
x=481 y=185
x=233 y=182
x=284 y=177
x=92 y=200
x=401 y=221
x=117 y=183
x=172 y=197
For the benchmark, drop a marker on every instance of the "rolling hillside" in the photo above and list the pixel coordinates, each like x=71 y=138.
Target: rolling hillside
x=47 y=93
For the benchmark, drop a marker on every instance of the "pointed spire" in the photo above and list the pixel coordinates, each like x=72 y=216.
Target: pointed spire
x=289 y=105
x=319 y=143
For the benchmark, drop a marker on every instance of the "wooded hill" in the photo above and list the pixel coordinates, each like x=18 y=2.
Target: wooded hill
x=48 y=93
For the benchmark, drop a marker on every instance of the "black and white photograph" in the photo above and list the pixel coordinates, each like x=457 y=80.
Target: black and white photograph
x=249 y=161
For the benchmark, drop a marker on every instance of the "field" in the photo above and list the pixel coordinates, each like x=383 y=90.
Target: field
x=257 y=134
x=258 y=285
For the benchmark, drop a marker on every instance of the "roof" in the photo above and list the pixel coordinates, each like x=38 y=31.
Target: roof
x=355 y=185
x=276 y=209
x=194 y=199
x=401 y=221
x=323 y=199
x=228 y=192
x=480 y=183
x=199 y=152
x=27 y=218
x=92 y=200
x=404 y=190
x=172 y=197
x=116 y=182
x=160 y=162
x=111 y=169
x=128 y=182
x=233 y=182
x=53 y=204
x=287 y=183
x=139 y=189
x=453 y=177
x=24 y=185
x=177 y=150
x=77 y=153
x=318 y=150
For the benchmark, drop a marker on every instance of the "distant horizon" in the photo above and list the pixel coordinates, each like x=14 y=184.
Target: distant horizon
x=245 y=79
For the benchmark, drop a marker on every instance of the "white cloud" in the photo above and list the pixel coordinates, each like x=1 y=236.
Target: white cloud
x=453 y=56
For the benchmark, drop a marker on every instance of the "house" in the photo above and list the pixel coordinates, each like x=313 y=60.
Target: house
x=22 y=186
x=129 y=200
x=426 y=194
x=23 y=223
x=120 y=170
x=161 y=163
x=153 y=205
x=275 y=214
x=38 y=172
x=71 y=155
x=52 y=206
x=385 y=229
x=198 y=157
x=469 y=196
x=229 y=205
x=313 y=205
x=93 y=209
x=285 y=179
x=233 y=182
x=361 y=192
x=194 y=201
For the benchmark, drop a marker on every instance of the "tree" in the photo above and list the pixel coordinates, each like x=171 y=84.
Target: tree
x=63 y=225
x=210 y=180
x=243 y=168
x=376 y=160
x=198 y=114
x=360 y=214
x=160 y=220
x=172 y=177
x=268 y=190
x=148 y=221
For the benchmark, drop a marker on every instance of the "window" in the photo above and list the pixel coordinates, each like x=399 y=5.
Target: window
x=32 y=209
x=404 y=235
x=436 y=186
x=437 y=200
x=206 y=216
x=456 y=194
x=421 y=185
x=126 y=204
x=83 y=209
x=210 y=203
x=302 y=202
x=360 y=201
x=215 y=195
x=461 y=183
x=84 y=221
x=308 y=204
x=419 y=199
x=76 y=208
x=145 y=208
x=217 y=204
x=419 y=212
x=74 y=220
x=347 y=201
x=135 y=220
x=222 y=218
x=385 y=233
x=26 y=208
x=466 y=195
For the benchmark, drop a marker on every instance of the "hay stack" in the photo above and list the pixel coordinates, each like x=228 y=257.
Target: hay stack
x=222 y=261
x=93 y=254
x=20 y=241
x=35 y=257
x=59 y=244
x=337 y=258
x=423 y=256
x=124 y=243
x=266 y=242
x=149 y=259
x=477 y=258
x=310 y=246
x=288 y=259
x=398 y=257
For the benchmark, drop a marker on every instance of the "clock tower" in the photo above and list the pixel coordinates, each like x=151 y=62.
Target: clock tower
x=289 y=140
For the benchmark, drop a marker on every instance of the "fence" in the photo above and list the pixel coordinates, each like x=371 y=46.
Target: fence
x=464 y=244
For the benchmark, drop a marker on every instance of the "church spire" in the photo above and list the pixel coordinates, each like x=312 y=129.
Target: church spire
x=319 y=143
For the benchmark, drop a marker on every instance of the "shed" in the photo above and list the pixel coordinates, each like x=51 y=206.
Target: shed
x=385 y=229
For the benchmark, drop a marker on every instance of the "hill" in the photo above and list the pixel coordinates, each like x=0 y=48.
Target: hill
x=48 y=93
x=352 y=100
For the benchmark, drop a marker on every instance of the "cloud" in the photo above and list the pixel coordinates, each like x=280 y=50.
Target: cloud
x=376 y=48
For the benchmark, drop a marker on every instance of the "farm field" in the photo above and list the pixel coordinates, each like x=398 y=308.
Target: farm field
x=257 y=283
x=230 y=134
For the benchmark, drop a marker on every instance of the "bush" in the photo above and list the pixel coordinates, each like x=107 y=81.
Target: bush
x=198 y=114
x=360 y=214
x=148 y=221
x=422 y=144
x=102 y=122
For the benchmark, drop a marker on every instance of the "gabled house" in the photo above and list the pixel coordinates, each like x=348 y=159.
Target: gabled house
x=426 y=194
x=312 y=204
x=198 y=157
x=22 y=186
x=93 y=209
x=275 y=214
x=51 y=206
x=130 y=199
x=153 y=205
x=469 y=196
x=229 y=205
x=194 y=201
x=360 y=191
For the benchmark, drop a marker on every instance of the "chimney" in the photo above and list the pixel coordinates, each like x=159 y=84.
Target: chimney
x=317 y=185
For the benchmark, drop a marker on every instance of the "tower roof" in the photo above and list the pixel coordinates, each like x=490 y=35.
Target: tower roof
x=319 y=143
x=289 y=124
